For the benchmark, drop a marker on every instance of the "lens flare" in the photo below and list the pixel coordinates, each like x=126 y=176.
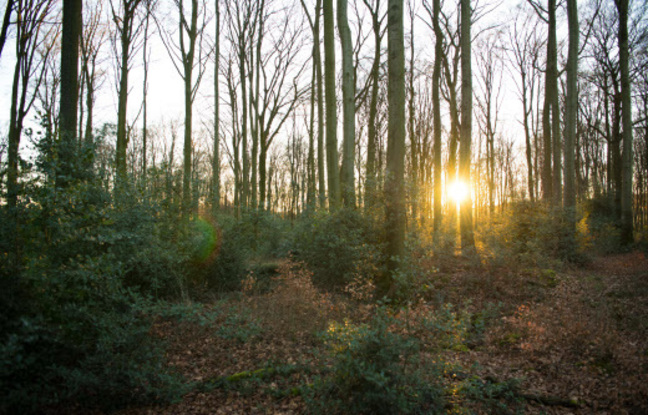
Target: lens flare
x=207 y=241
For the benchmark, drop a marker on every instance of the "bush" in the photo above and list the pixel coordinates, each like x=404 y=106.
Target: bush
x=339 y=247
x=374 y=372
x=218 y=254
x=530 y=234
x=74 y=331
x=601 y=226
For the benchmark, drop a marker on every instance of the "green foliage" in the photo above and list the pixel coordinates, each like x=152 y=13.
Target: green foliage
x=531 y=234
x=492 y=397
x=229 y=323
x=374 y=371
x=74 y=330
x=339 y=247
x=219 y=253
x=601 y=226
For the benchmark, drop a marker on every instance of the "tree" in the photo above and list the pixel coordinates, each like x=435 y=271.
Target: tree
x=489 y=105
x=348 y=106
x=626 y=108
x=524 y=45
x=72 y=24
x=31 y=34
x=149 y=5
x=216 y=180
x=465 y=208
x=91 y=42
x=571 y=112
x=187 y=55
x=434 y=13
x=331 y=107
x=124 y=46
x=6 y=21
x=394 y=186
x=372 y=131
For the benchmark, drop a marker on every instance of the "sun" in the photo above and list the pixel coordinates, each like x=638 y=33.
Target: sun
x=458 y=191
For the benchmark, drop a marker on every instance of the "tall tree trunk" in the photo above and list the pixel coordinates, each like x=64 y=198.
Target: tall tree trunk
x=552 y=67
x=331 y=107
x=626 y=108
x=72 y=25
x=348 y=107
x=465 y=209
x=6 y=21
x=145 y=64
x=371 y=179
x=571 y=111
x=122 y=101
x=311 y=142
x=216 y=155
x=548 y=114
x=394 y=188
x=317 y=61
x=415 y=152
x=436 y=102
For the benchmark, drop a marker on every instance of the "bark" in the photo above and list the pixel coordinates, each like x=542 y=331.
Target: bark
x=6 y=21
x=126 y=32
x=331 y=107
x=552 y=69
x=436 y=102
x=348 y=107
x=394 y=187
x=626 y=111
x=72 y=24
x=465 y=209
x=372 y=135
x=571 y=111
x=317 y=61
x=216 y=155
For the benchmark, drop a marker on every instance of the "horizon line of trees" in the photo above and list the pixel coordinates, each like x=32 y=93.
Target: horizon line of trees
x=276 y=94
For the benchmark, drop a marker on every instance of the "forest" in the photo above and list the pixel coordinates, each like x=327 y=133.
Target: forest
x=309 y=206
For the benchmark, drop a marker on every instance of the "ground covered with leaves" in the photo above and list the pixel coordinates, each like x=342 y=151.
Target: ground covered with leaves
x=535 y=341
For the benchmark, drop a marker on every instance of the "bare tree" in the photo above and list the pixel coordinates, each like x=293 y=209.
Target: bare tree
x=281 y=93
x=465 y=208
x=348 y=106
x=524 y=46
x=377 y=19
x=551 y=177
x=216 y=179
x=94 y=34
x=6 y=21
x=124 y=43
x=331 y=107
x=31 y=35
x=571 y=112
x=489 y=104
x=434 y=13
x=394 y=186
x=188 y=54
x=72 y=27
x=626 y=108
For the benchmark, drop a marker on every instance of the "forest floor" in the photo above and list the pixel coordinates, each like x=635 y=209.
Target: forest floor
x=577 y=340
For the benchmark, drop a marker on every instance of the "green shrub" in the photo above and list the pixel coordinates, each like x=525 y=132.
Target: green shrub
x=373 y=372
x=74 y=331
x=219 y=253
x=339 y=247
x=530 y=234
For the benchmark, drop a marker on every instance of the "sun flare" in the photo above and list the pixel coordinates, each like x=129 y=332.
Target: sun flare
x=458 y=191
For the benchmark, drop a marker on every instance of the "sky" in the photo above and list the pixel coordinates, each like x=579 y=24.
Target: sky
x=166 y=89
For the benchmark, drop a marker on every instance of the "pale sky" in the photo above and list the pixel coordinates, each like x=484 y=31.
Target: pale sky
x=166 y=90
